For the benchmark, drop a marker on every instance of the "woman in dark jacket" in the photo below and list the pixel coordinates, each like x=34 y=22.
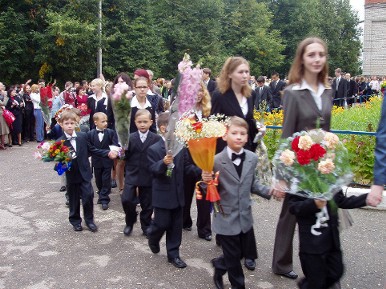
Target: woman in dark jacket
x=15 y=105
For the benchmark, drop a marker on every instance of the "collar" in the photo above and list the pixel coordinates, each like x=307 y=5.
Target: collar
x=143 y=134
x=68 y=136
x=305 y=86
x=135 y=103
x=230 y=151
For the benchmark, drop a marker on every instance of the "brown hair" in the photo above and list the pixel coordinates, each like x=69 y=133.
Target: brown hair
x=296 y=72
x=238 y=121
x=141 y=112
x=163 y=119
x=98 y=115
x=68 y=114
x=230 y=65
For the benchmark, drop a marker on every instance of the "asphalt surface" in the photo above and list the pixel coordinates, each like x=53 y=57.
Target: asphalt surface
x=39 y=249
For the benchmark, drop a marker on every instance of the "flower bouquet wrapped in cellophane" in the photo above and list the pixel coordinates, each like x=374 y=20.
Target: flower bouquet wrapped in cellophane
x=314 y=164
x=121 y=100
x=200 y=138
x=55 y=151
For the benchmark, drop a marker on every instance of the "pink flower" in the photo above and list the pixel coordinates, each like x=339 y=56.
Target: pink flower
x=326 y=167
x=331 y=140
x=287 y=157
x=305 y=142
x=119 y=89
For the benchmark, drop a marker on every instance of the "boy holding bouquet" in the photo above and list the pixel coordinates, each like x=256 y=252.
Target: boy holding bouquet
x=79 y=176
x=234 y=226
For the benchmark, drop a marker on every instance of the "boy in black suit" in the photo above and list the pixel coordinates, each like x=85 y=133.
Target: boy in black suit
x=168 y=196
x=137 y=173
x=102 y=138
x=79 y=176
x=321 y=255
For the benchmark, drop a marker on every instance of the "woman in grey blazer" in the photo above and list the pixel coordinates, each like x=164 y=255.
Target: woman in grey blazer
x=307 y=104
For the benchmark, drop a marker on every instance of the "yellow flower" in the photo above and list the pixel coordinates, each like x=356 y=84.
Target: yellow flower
x=57 y=151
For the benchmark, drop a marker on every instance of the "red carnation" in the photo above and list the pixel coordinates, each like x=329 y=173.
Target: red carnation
x=304 y=157
x=317 y=152
x=197 y=126
x=295 y=144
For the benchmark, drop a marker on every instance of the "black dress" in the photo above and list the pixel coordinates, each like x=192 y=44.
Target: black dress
x=13 y=105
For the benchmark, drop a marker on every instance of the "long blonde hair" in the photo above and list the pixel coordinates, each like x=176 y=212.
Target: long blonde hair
x=224 y=82
x=205 y=102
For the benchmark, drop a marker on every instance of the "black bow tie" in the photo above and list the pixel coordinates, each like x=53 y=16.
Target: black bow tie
x=240 y=156
x=71 y=138
x=100 y=131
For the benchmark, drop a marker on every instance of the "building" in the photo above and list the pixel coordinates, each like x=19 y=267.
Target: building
x=374 y=41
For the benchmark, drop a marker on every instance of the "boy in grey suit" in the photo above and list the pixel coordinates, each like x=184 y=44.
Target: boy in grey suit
x=234 y=227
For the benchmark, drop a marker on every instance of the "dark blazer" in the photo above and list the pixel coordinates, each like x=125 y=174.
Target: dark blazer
x=264 y=95
x=108 y=111
x=137 y=170
x=341 y=92
x=109 y=138
x=276 y=92
x=352 y=88
x=80 y=170
x=211 y=86
x=380 y=150
x=305 y=210
x=168 y=192
x=302 y=113
x=228 y=105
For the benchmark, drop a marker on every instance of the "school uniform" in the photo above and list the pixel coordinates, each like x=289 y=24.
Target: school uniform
x=168 y=197
x=234 y=227
x=102 y=105
x=321 y=255
x=102 y=139
x=138 y=175
x=79 y=177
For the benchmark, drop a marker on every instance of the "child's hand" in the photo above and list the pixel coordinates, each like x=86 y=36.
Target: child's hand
x=375 y=196
x=168 y=159
x=207 y=176
x=112 y=155
x=320 y=203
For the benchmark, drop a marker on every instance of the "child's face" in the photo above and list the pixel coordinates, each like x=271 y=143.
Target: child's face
x=101 y=123
x=143 y=123
x=236 y=137
x=162 y=129
x=68 y=126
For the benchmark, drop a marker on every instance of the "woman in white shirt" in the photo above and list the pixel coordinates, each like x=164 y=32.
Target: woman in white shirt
x=39 y=121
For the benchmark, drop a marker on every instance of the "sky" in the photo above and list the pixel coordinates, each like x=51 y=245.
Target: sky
x=359 y=5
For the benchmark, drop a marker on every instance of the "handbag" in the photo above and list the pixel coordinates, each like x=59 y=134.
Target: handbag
x=8 y=117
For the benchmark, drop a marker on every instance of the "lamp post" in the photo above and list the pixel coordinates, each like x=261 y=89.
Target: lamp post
x=99 y=57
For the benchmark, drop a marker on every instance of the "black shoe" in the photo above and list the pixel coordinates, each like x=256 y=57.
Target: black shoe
x=207 y=237
x=177 y=262
x=67 y=203
x=99 y=202
x=105 y=207
x=187 y=228
x=218 y=241
x=113 y=183
x=250 y=264
x=127 y=230
x=92 y=227
x=77 y=227
x=154 y=247
x=217 y=279
x=290 y=275
x=62 y=189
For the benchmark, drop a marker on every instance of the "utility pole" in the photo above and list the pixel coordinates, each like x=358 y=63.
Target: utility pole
x=99 y=57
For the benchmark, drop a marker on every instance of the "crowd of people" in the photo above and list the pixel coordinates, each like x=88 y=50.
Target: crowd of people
x=87 y=126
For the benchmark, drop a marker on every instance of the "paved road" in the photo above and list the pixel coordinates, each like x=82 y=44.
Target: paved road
x=39 y=249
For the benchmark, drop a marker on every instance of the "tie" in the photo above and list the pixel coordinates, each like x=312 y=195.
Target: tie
x=71 y=138
x=238 y=156
x=337 y=83
x=100 y=131
x=143 y=138
x=261 y=91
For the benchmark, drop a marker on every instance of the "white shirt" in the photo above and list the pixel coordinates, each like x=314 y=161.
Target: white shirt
x=73 y=141
x=317 y=95
x=244 y=105
x=35 y=97
x=143 y=136
x=135 y=103
x=104 y=95
x=230 y=152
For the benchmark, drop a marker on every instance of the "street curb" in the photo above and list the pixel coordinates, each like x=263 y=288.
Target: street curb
x=350 y=191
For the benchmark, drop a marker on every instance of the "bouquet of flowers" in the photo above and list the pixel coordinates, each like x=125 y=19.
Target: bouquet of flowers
x=200 y=138
x=51 y=151
x=46 y=111
x=122 y=109
x=314 y=164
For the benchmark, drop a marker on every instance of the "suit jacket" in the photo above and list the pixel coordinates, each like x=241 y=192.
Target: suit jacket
x=235 y=193
x=80 y=170
x=211 y=86
x=228 y=105
x=352 y=88
x=264 y=95
x=109 y=138
x=168 y=192
x=341 y=92
x=107 y=110
x=301 y=111
x=137 y=164
x=305 y=210
x=276 y=92
x=380 y=150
